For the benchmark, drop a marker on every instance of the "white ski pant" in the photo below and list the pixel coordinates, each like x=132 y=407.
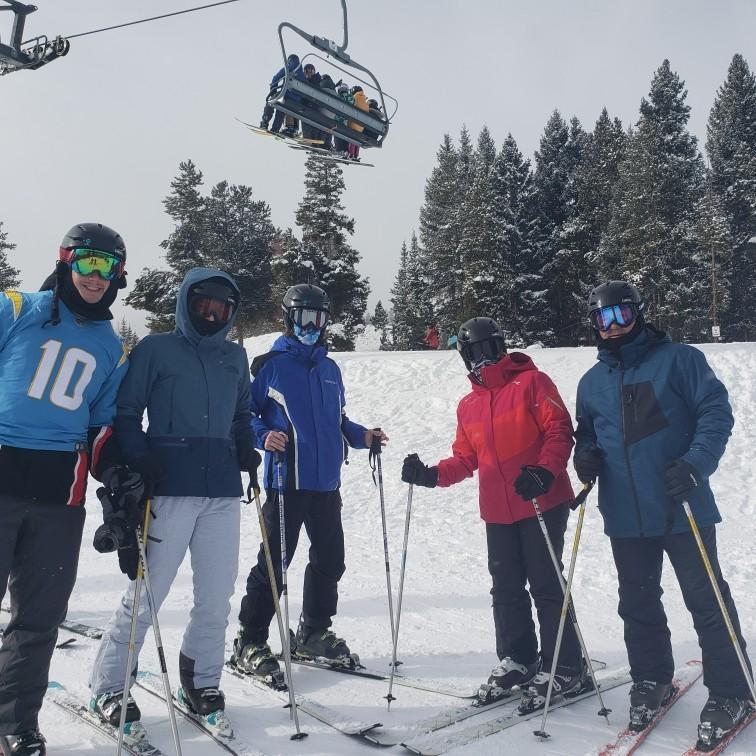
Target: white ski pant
x=209 y=529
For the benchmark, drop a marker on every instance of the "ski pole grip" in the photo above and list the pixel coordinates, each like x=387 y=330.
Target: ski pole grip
x=375 y=444
x=583 y=495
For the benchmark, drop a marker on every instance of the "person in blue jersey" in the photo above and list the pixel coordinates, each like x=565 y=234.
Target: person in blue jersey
x=61 y=364
x=194 y=385
x=653 y=422
x=299 y=419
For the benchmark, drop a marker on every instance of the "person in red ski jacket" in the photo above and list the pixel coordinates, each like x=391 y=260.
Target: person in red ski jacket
x=430 y=338
x=514 y=429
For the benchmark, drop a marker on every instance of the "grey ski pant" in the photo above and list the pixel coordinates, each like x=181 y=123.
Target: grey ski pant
x=209 y=529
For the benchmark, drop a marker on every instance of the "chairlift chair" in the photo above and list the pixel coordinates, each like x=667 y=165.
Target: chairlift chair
x=39 y=50
x=306 y=107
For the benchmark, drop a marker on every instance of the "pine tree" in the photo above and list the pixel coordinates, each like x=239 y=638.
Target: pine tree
x=400 y=333
x=731 y=147
x=127 y=334
x=660 y=188
x=325 y=229
x=380 y=322
x=289 y=267
x=9 y=276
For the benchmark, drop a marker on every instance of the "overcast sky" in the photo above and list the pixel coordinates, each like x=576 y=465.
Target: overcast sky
x=98 y=135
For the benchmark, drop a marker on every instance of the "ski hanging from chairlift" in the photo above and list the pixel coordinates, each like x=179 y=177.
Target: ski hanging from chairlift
x=336 y=122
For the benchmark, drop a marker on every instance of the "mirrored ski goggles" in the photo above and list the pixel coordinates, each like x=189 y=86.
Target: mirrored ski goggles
x=621 y=314
x=88 y=261
x=481 y=353
x=220 y=309
x=307 y=318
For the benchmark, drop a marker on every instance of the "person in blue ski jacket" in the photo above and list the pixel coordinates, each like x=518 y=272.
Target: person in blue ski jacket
x=292 y=125
x=653 y=422
x=61 y=364
x=194 y=385
x=298 y=415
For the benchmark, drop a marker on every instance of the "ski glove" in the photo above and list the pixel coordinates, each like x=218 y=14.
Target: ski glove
x=415 y=472
x=587 y=463
x=249 y=460
x=680 y=478
x=151 y=470
x=533 y=481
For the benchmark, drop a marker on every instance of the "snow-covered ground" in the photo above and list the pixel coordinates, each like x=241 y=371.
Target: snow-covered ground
x=446 y=626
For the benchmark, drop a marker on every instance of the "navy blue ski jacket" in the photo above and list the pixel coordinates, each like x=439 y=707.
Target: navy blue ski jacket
x=299 y=390
x=642 y=406
x=196 y=392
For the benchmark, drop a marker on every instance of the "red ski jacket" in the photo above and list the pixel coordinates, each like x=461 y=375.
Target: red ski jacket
x=517 y=418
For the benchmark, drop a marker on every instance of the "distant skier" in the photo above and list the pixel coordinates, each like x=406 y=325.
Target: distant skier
x=652 y=424
x=431 y=338
x=292 y=125
x=61 y=364
x=361 y=102
x=515 y=430
x=298 y=416
x=193 y=383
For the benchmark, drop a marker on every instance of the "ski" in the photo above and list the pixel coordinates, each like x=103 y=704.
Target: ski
x=153 y=685
x=324 y=714
x=280 y=137
x=726 y=740
x=95 y=633
x=361 y=671
x=329 y=155
x=63 y=699
x=436 y=743
x=628 y=741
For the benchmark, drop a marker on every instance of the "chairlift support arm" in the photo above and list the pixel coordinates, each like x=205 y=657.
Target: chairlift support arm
x=12 y=57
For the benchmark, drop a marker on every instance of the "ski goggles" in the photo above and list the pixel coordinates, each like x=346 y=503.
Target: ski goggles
x=220 y=309
x=305 y=317
x=621 y=314
x=88 y=261
x=482 y=353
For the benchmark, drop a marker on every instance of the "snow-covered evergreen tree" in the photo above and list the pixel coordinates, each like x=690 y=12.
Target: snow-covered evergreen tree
x=128 y=336
x=9 y=276
x=325 y=230
x=400 y=332
x=289 y=266
x=731 y=147
x=380 y=321
x=654 y=212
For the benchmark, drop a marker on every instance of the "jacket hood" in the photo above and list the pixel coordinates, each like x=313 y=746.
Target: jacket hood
x=632 y=353
x=502 y=372
x=294 y=347
x=184 y=325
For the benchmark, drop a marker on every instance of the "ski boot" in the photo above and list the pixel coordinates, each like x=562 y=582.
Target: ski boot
x=288 y=131
x=256 y=658
x=322 y=645
x=209 y=706
x=567 y=682
x=718 y=717
x=504 y=677
x=264 y=124
x=108 y=708
x=646 y=698
x=29 y=743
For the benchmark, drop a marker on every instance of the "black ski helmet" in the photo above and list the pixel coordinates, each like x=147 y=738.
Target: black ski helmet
x=95 y=236
x=305 y=296
x=613 y=293
x=478 y=337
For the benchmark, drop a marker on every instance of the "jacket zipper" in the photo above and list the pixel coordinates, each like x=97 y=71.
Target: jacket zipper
x=627 y=455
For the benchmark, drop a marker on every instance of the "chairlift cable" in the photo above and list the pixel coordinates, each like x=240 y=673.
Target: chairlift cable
x=153 y=18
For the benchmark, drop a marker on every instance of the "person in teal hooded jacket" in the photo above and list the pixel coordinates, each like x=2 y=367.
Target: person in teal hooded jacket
x=194 y=385
x=653 y=421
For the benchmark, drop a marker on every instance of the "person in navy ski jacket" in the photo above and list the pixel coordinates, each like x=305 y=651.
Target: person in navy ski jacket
x=61 y=364
x=293 y=67
x=653 y=421
x=194 y=385
x=298 y=415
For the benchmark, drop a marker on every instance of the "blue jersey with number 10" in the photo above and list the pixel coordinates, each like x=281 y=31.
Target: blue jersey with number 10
x=55 y=381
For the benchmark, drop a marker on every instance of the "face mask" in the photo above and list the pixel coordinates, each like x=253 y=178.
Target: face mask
x=307 y=336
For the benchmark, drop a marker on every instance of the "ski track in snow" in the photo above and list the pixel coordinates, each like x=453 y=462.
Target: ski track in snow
x=446 y=631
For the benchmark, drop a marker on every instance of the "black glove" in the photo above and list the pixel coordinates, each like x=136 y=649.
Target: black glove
x=533 y=481
x=249 y=460
x=588 y=464
x=151 y=471
x=415 y=472
x=680 y=478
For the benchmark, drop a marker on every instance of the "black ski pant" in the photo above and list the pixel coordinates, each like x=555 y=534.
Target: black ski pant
x=39 y=555
x=320 y=512
x=647 y=637
x=518 y=556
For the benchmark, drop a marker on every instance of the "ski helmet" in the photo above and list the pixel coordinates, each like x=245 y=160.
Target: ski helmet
x=305 y=297
x=98 y=238
x=480 y=338
x=614 y=293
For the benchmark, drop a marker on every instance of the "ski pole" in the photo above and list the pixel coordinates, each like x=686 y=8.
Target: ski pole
x=298 y=735
x=566 y=604
x=720 y=601
x=375 y=454
x=284 y=569
x=603 y=711
x=390 y=697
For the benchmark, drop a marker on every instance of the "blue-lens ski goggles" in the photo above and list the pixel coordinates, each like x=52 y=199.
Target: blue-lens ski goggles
x=621 y=314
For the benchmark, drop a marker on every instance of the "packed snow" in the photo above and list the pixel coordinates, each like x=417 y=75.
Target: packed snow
x=446 y=631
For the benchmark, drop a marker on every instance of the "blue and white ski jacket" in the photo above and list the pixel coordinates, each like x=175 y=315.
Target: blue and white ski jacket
x=643 y=406
x=299 y=390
